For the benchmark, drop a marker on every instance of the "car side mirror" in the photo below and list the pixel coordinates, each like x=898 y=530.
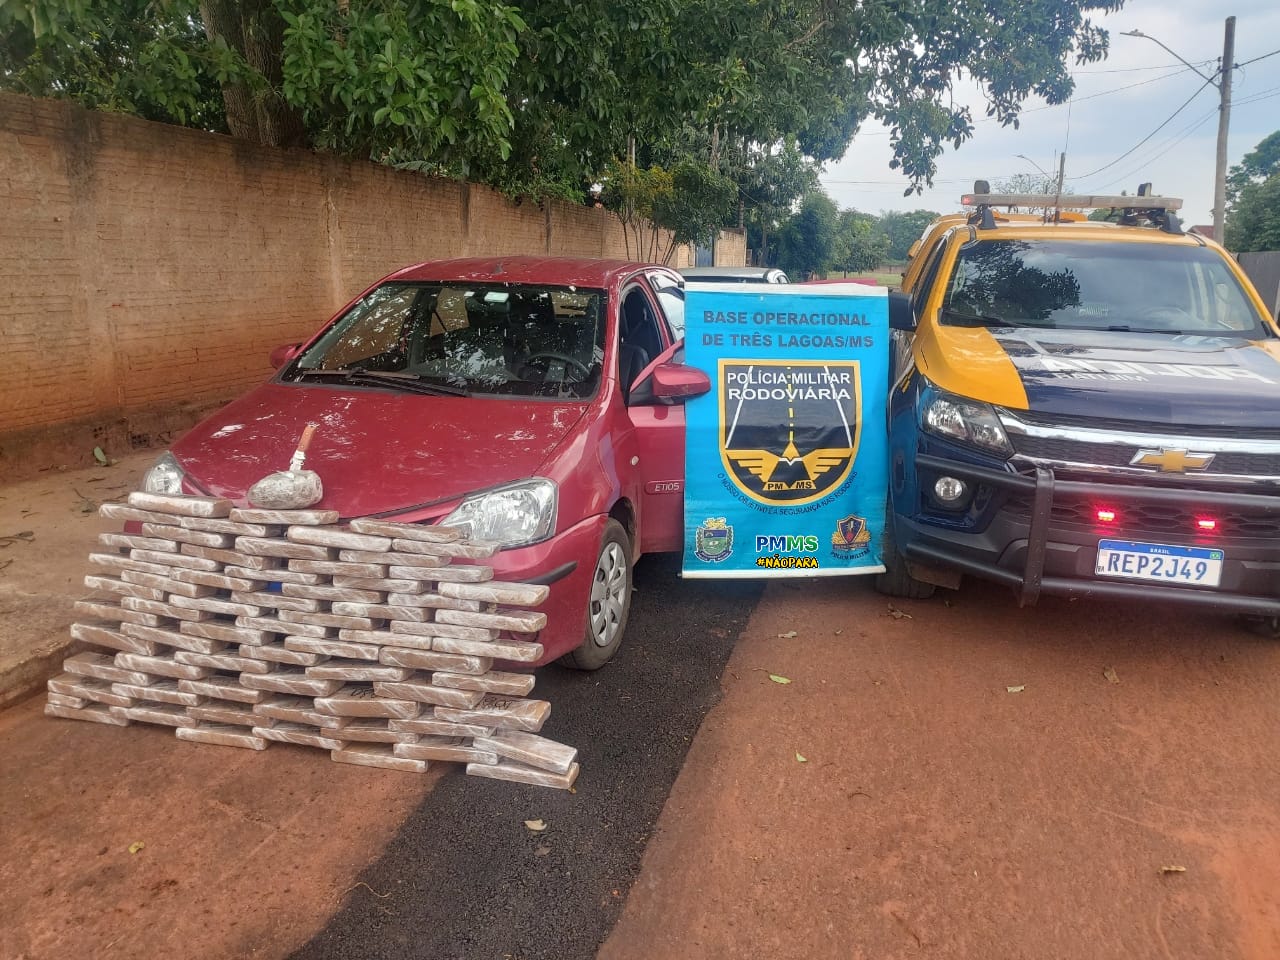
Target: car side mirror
x=677 y=381
x=902 y=312
x=283 y=354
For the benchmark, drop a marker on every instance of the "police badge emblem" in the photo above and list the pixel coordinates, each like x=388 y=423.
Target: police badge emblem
x=851 y=535
x=789 y=429
x=713 y=540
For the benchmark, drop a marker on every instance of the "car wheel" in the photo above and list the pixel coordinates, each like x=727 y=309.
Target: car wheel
x=896 y=581
x=609 y=603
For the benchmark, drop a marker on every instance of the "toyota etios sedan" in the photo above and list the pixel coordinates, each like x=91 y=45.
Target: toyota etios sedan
x=530 y=401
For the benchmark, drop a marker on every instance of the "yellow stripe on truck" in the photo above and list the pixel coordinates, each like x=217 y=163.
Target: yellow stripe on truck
x=970 y=362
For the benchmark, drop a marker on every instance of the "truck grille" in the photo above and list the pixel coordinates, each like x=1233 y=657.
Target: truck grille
x=1157 y=519
x=1121 y=455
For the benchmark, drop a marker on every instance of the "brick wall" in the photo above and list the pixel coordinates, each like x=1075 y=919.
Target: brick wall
x=147 y=270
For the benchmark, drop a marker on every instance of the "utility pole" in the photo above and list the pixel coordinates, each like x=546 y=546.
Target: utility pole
x=1224 y=121
x=1222 y=80
x=1062 y=173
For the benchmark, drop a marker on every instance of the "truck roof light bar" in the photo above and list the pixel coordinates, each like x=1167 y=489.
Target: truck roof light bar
x=1075 y=201
x=1158 y=211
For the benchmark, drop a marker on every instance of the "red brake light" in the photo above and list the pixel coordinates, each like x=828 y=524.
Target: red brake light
x=1206 y=524
x=1105 y=515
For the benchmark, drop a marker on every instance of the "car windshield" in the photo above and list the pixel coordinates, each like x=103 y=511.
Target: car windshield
x=1099 y=285
x=465 y=338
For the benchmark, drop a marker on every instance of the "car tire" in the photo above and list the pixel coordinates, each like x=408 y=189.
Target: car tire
x=609 y=604
x=896 y=581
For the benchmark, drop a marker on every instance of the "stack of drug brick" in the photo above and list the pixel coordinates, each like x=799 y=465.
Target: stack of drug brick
x=374 y=641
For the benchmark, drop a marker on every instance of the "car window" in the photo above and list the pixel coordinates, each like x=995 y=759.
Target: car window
x=1094 y=285
x=372 y=327
x=671 y=302
x=929 y=273
x=473 y=338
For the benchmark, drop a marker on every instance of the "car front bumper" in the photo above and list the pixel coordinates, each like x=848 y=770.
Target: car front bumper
x=566 y=563
x=1037 y=554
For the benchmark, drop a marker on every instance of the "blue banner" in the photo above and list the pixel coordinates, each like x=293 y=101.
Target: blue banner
x=786 y=459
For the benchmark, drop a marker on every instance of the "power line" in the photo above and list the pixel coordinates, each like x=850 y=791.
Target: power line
x=1163 y=66
x=1163 y=149
x=1186 y=103
x=1066 y=103
x=1256 y=59
x=1260 y=95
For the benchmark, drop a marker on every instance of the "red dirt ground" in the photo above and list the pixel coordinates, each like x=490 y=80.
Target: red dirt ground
x=245 y=854
x=939 y=815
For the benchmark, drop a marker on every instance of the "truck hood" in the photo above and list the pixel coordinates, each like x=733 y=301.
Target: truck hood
x=1148 y=378
x=376 y=451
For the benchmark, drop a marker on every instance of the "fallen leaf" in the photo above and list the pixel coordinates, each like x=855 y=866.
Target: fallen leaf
x=790 y=634
x=898 y=614
x=801 y=758
x=99 y=456
x=777 y=679
x=1018 y=689
x=542 y=850
x=136 y=846
x=1111 y=675
x=837 y=632
x=537 y=826
x=1173 y=868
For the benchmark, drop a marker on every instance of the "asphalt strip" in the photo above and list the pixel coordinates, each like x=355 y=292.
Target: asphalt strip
x=465 y=878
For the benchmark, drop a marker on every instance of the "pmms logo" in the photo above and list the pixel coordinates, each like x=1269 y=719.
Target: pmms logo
x=787 y=543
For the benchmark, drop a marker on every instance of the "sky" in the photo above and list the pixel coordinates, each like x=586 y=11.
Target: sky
x=1104 y=120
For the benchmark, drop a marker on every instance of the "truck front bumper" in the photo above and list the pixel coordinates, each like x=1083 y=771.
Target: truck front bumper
x=1038 y=554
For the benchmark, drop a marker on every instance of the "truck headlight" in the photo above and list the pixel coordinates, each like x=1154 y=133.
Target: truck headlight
x=165 y=476
x=515 y=515
x=968 y=421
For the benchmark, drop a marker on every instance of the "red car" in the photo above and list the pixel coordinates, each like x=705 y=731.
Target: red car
x=528 y=400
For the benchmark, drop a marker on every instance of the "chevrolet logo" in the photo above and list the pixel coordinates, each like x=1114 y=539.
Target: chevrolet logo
x=1171 y=461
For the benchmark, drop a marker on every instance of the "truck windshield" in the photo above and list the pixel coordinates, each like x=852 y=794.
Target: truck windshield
x=463 y=339
x=1099 y=285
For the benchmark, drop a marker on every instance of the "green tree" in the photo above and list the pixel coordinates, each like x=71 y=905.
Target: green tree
x=1253 y=195
x=808 y=242
x=903 y=229
x=1253 y=222
x=537 y=96
x=858 y=246
x=770 y=184
x=1257 y=165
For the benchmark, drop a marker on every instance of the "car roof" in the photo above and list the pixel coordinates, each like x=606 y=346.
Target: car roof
x=694 y=272
x=553 y=271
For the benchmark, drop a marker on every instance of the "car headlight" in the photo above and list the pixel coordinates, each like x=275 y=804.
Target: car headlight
x=165 y=476
x=514 y=515
x=968 y=421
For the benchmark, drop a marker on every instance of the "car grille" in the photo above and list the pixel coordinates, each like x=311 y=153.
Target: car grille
x=1122 y=454
x=1159 y=519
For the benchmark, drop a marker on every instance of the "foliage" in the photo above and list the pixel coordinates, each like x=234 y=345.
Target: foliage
x=537 y=97
x=858 y=245
x=403 y=80
x=1259 y=164
x=129 y=56
x=1253 y=222
x=903 y=229
x=808 y=242
x=632 y=193
x=697 y=205
x=770 y=183
x=1253 y=192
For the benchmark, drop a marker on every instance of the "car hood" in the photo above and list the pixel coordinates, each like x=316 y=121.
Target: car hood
x=376 y=451
x=1148 y=378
